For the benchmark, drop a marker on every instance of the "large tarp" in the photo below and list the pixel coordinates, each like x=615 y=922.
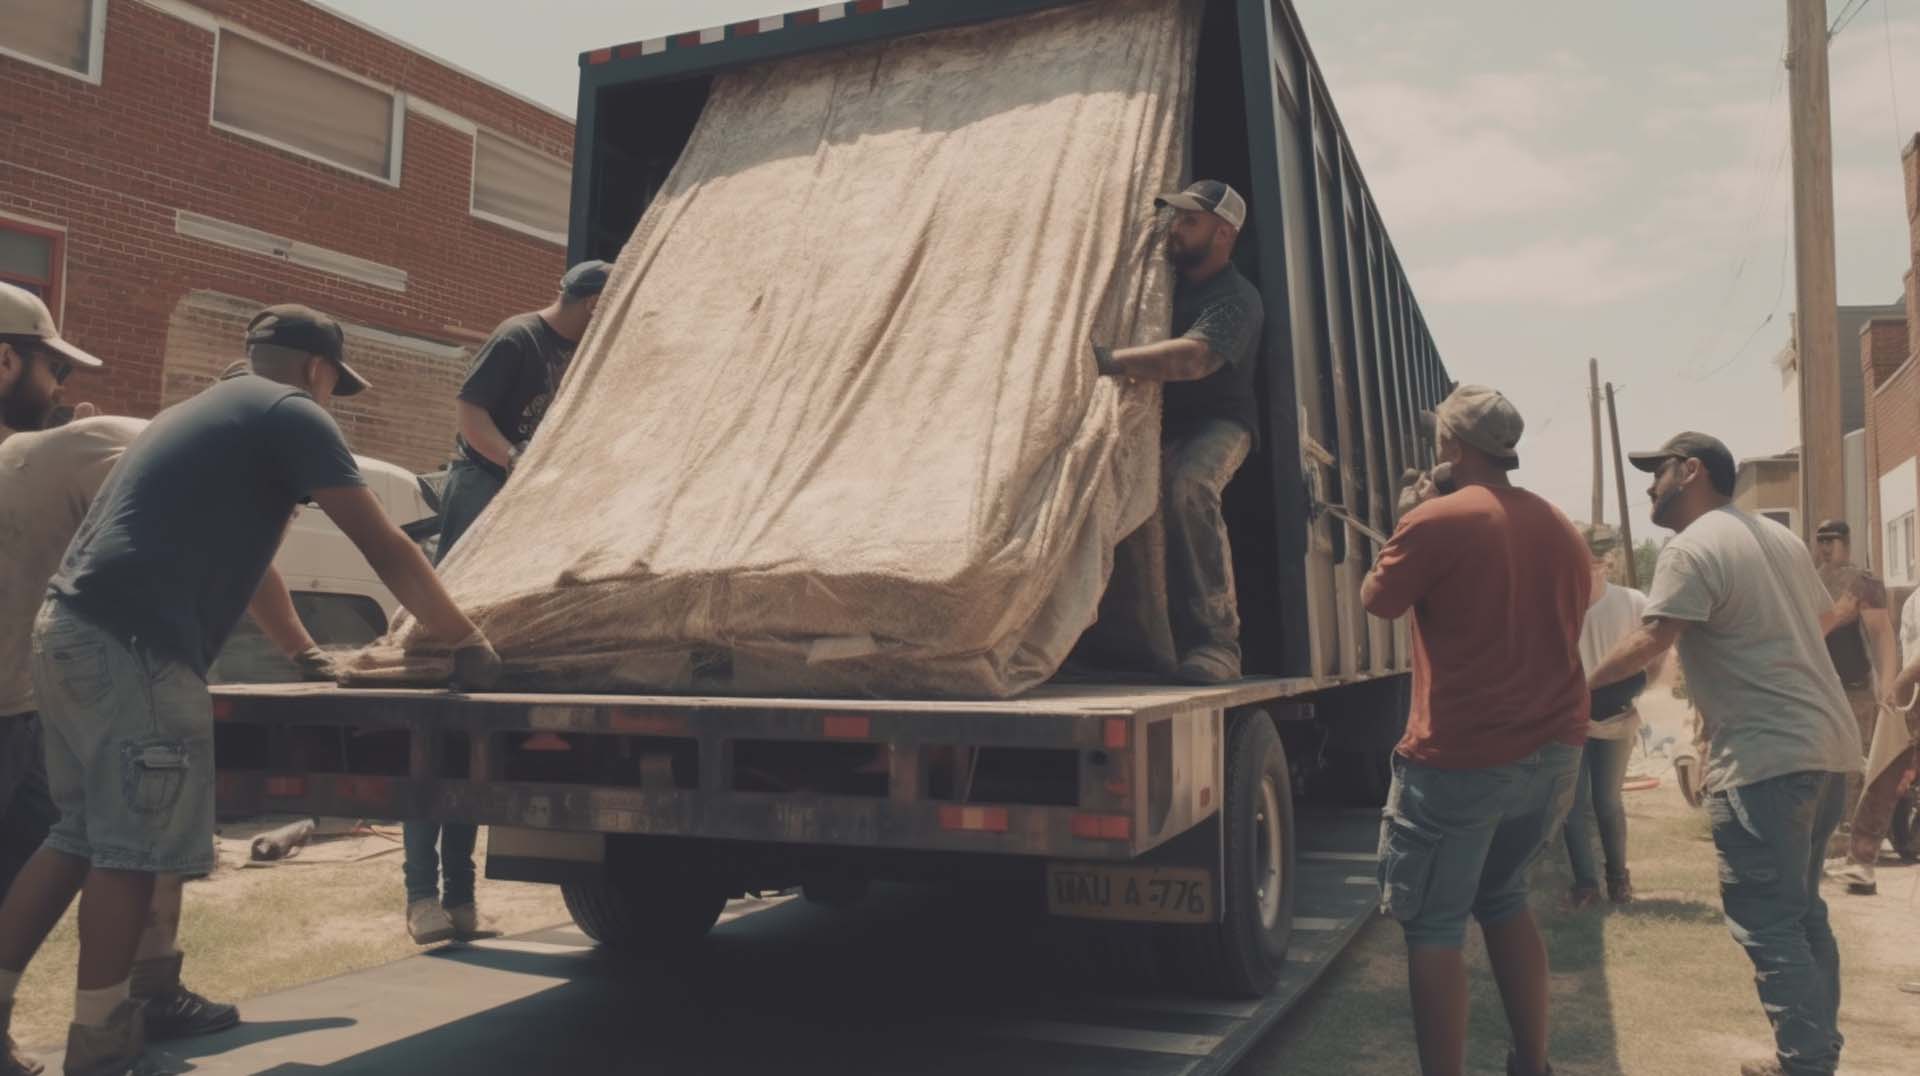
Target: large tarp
x=836 y=427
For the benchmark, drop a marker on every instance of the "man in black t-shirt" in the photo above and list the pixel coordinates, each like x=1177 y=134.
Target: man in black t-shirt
x=1864 y=649
x=1210 y=422
x=509 y=386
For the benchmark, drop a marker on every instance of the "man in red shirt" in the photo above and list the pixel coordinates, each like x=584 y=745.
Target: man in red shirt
x=1498 y=583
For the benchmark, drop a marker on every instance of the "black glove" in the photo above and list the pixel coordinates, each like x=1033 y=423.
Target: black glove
x=476 y=667
x=1103 y=361
x=315 y=664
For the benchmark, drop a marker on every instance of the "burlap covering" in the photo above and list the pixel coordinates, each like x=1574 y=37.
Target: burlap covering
x=836 y=428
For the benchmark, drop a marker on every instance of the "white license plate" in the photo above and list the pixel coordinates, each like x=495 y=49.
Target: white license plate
x=1143 y=894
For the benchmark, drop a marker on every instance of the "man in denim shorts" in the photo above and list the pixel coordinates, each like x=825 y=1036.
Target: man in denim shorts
x=1498 y=582
x=176 y=547
x=1739 y=595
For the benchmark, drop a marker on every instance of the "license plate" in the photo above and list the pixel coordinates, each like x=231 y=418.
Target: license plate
x=1143 y=894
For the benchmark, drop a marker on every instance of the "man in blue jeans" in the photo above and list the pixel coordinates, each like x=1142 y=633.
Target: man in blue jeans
x=1498 y=582
x=509 y=387
x=1740 y=597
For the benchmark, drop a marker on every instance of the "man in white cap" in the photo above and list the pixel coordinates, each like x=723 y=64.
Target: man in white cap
x=1499 y=583
x=1210 y=421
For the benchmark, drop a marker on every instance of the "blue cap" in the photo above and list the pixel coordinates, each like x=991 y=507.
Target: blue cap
x=587 y=278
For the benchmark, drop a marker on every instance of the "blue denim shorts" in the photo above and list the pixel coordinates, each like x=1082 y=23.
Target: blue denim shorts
x=129 y=742
x=1455 y=843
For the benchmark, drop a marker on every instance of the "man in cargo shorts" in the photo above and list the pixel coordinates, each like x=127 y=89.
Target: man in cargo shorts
x=1209 y=420
x=1739 y=596
x=177 y=545
x=1499 y=584
x=510 y=384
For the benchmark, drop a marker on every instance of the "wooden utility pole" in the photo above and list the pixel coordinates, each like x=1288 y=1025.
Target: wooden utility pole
x=1823 y=491
x=1620 y=486
x=1599 y=470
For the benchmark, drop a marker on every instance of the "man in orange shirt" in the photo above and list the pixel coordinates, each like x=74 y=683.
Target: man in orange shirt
x=1498 y=583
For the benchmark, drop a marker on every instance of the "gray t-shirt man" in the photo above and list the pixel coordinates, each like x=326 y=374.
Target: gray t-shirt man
x=1755 y=661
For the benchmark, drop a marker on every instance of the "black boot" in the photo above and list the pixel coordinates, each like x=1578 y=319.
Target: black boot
x=173 y=1011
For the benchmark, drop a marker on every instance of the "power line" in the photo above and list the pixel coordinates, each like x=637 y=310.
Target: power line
x=1845 y=18
x=1786 y=233
x=1893 y=87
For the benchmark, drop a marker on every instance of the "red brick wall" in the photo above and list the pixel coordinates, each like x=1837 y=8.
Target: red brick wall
x=112 y=164
x=1886 y=346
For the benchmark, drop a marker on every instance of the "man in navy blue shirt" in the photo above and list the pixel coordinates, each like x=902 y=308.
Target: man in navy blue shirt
x=176 y=547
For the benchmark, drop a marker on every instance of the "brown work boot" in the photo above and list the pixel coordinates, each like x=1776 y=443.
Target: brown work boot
x=172 y=1010
x=12 y=1061
x=1208 y=665
x=112 y=1050
x=466 y=921
x=1620 y=889
x=428 y=923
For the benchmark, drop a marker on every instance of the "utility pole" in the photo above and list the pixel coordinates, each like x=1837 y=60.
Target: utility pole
x=1823 y=493
x=1620 y=486
x=1599 y=471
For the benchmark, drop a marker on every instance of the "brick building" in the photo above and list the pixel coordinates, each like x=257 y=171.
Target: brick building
x=1887 y=347
x=166 y=168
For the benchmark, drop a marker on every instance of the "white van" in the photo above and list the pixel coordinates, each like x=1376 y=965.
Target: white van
x=339 y=598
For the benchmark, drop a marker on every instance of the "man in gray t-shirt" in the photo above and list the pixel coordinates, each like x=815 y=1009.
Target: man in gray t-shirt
x=1740 y=597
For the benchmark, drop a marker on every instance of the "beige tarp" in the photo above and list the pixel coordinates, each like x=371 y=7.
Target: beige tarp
x=836 y=427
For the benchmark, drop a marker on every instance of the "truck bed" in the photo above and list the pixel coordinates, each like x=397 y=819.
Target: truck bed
x=1087 y=771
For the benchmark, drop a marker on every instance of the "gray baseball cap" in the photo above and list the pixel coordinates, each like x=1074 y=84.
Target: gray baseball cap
x=1209 y=196
x=1483 y=418
x=1692 y=445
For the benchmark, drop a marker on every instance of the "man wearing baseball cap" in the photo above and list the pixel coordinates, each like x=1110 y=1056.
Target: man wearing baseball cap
x=1209 y=419
x=510 y=383
x=1739 y=596
x=1498 y=583
x=1866 y=654
x=175 y=547
x=34 y=361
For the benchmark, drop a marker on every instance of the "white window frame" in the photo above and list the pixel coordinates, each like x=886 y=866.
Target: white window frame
x=473 y=187
x=398 y=110
x=96 y=50
x=1792 y=522
x=1900 y=538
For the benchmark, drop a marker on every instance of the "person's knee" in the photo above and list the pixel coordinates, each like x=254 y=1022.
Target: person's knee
x=1493 y=909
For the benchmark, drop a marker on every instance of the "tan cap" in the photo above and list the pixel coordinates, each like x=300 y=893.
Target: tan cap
x=1483 y=418
x=1209 y=196
x=23 y=314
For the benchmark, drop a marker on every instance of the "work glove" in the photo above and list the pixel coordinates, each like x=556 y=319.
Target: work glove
x=1103 y=361
x=315 y=664
x=476 y=665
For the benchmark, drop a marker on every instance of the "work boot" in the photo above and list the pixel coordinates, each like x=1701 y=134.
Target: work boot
x=428 y=923
x=1514 y=1068
x=1620 y=889
x=1208 y=665
x=12 y=1061
x=1857 y=877
x=173 y=1011
x=112 y=1050
x=466 y=921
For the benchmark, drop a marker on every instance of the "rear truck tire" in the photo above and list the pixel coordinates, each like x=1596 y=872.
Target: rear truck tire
x=633 y=917
x=1242 y=955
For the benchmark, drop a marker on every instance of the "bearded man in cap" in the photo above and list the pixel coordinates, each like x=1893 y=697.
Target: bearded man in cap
x=175 y=547
x=1209 y=419
x=1499 y=584
x=1739 y=596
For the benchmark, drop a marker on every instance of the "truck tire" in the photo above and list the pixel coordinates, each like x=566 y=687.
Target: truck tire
x=1904 y=828
x=1241 y=956
x=643 y=918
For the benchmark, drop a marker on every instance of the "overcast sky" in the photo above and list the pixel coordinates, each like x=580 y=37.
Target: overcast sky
x=1562 y=181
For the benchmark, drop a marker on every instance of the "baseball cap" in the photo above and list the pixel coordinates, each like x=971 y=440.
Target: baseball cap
x=1481 y=417
x=1601 y=538
x=1834 y=528
x=587 y=278
x=302 y=328
x=23 y=314
x=1209 y=196
x=1711 y=453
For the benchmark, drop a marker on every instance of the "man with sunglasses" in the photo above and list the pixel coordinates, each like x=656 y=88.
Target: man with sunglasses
x=1739 y=596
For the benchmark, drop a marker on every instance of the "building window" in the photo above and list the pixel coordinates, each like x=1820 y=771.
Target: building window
x=521 y=188
x=1782 y=516
x=1900 y=536
x=33 y=257
x=67 y=36
x=289 y=101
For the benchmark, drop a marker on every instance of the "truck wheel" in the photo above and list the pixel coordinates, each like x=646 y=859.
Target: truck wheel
x=1241 y=956
x=645 y=918
x=1905 y=828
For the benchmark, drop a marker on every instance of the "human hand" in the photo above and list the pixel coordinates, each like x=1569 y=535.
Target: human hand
x=84 y=409
x=476 y=665
x=315 y=664
x=1418 y=488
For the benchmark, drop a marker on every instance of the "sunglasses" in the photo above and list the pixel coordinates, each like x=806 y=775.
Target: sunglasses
x=57 y=364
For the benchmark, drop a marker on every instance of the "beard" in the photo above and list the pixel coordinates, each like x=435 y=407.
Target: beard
x=21 y=409
x=1182 y=258
x=1663 y=509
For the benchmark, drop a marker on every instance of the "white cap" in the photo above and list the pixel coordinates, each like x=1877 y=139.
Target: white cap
x=23 y=314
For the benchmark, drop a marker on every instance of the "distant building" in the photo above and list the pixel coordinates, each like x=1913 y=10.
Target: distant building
x=1770 y=486
x=1853 y=416
x=1885 y=350
x=171 y=166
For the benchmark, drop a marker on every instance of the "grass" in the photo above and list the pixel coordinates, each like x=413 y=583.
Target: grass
x=1657 y=988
